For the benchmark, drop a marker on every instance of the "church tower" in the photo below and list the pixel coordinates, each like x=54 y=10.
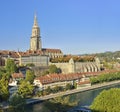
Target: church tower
x=35 y=41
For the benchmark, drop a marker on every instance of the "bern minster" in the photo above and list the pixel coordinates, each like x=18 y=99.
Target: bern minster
x=43 y=57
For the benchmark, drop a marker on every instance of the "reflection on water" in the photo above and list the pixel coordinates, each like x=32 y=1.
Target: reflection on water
x=83 y=98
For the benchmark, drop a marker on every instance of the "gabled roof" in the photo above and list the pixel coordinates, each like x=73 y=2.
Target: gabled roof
x=51 y=50
x=6 y=53
x=17 y=75
x=51 y=78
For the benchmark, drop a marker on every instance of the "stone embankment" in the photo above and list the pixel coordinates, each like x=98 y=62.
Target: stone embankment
x=78 y=90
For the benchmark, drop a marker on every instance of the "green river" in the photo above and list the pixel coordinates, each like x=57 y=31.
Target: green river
x=80 y=99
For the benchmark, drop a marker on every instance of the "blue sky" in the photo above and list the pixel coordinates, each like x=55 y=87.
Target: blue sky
x=74 y=26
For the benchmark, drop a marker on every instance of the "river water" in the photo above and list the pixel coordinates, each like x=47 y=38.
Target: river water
x=83 y=99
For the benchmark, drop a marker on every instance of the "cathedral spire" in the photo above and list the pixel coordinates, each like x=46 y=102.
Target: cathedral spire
x=35 y=21
x=35 y=42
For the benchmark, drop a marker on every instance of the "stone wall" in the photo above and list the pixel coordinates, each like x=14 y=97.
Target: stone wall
x=78 y=67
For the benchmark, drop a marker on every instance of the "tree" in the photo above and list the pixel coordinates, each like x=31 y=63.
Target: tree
x=54 y=69
x=105 y=78
x=57 y=89
x=2 y=71
x=30 y=76
x=45 y=73
x=74 y=85
x=60 y=104
x=25 y=89
x=17 y=103
x=107 y=101
x=4 y=92
x=48 y=90
x=68 y=86
x=11 y=66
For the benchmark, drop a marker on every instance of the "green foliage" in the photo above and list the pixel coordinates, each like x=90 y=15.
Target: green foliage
x=48 y=90
x=105 y=78
x=107 y=101
x=57 y=89
x=1 y=110
x=60 y=104
x=75 y=58
x=45 y=73
x=2 y=71
x=74 y=85
x=25 y=89
x=69 y=86
x=53 y=69
x=4 y=92
x=30 y=65
x=11 y=66
x=17 y=103
x=39 y=93
x=30 y=76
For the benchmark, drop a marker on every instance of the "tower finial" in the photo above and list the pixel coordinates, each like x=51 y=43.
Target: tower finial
x=35 y=21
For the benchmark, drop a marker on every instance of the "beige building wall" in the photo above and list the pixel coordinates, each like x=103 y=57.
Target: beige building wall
x=78 y=67
x=66 y=67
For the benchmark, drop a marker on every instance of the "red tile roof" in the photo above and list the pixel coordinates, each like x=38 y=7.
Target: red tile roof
x=51 y=50
x=17 y=75
x=58 y=77
x=40 y=52
x=51 y=78
x=6 y=53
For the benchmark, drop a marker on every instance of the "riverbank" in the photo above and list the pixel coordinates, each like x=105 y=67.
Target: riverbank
x=78 y=90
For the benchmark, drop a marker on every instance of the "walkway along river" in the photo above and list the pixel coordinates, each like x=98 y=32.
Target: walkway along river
x=84 y=96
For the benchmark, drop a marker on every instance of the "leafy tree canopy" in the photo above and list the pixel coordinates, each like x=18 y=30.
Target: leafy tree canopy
x=105 y=78
x=4 y=92
x=107 y=101
x=17 y=103
x=30 y=76
x=11 y=66
x=54 y=69
x=25 y=89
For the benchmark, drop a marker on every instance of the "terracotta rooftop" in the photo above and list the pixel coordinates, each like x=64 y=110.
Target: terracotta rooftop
x=51 y=50
x=14 y=54
x=17 y=75
x=51 y=78
x=40 y=52
x=6 y=53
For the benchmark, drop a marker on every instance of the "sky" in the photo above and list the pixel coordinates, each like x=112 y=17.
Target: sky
x=74 y=26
